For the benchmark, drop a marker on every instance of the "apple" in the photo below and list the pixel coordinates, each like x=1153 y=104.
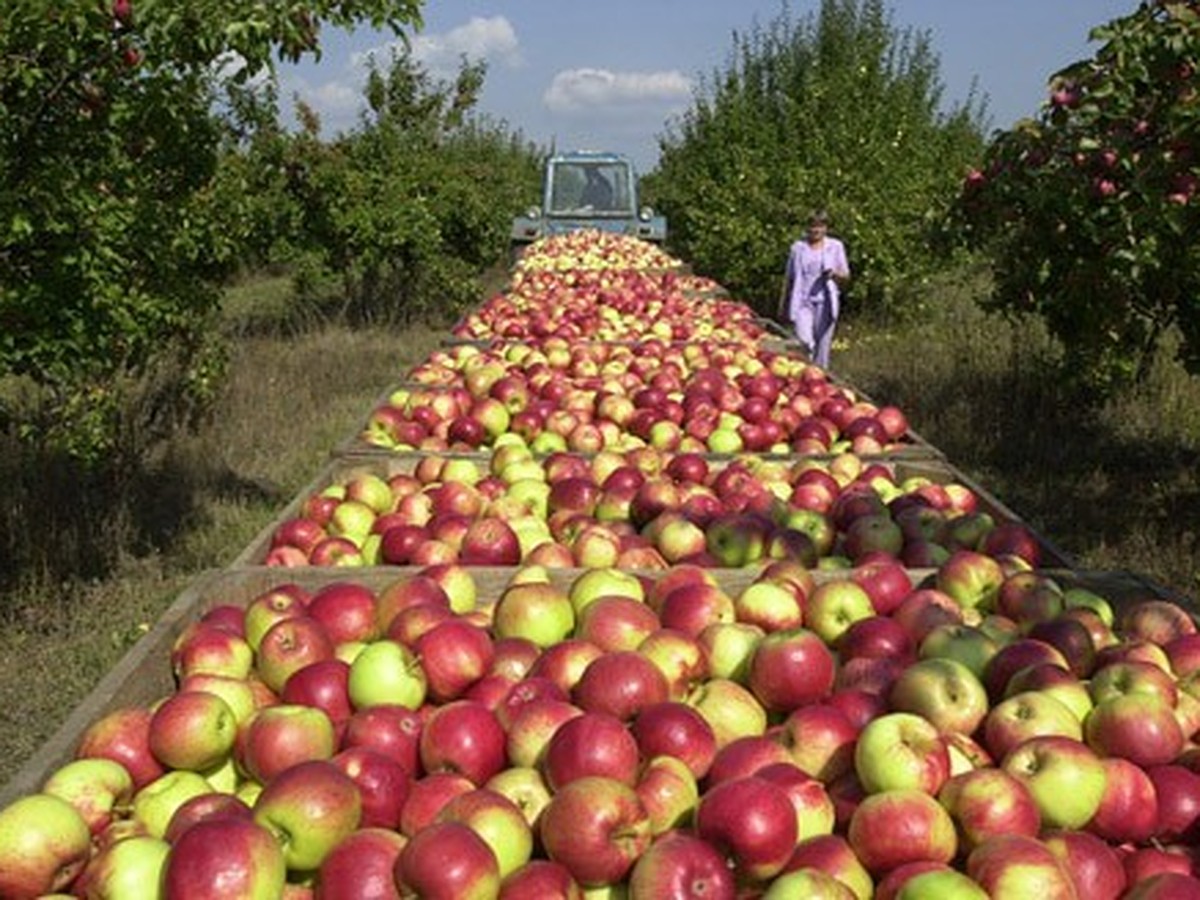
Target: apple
x=1014 y=865
x=386 y=672
x=309 y=808
x=729 y=648
x=875 y=637
x=989 y=801
x=972 y=578
x=454 y=654
x=681 y=866
x=1014 y=656
x=831 y=854
x=323 y=684
x=122 y=870
x=1142 y=728
x=361 y=866
x=969 y=645
x=155 y=804
x=465 y=737
x=390 y=729
x=123 y=736
x=278 y=737
x=616 y=623
x=1024 y=715
x=44 y=844
x=1156 y=621
x=346 y=611
x=834 y=606
x=619 y=684
x=99 y=789
x=737 y=540
x=894 y=827
x=224 y=860
x=681 y=658
x=752 y=821
x=496 y=819
x=1177 y=789
x=597 y=828
x=820 y=739
x=925 y=609
x=731 y=710
x=447 y=860
x=901 y=751
x=541 y=613
x=192 y=730
x=676 y=729
x=669 y=792
x=382 y=782
x=288 y=646
x=693 y=606
x=1124 y=677
x=1094 y=866
x=1066 y=778
x=205 y=807
x=791 y=668
x=943 y=691
x=204 y=647
x=1129 y=807
x=591 y=744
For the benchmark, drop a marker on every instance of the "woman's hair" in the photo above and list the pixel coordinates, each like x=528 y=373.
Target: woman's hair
x=818 y=217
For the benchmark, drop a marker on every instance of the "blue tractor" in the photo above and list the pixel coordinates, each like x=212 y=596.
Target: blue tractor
x=585 y=189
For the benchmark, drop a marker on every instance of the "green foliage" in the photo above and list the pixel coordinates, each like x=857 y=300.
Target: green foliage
x=1091 y=209
x=405 y=211
x=836 y=111
x=112 y=242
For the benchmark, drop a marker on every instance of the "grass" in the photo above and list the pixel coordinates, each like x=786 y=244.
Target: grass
x=1115 y=486
x=290 y=401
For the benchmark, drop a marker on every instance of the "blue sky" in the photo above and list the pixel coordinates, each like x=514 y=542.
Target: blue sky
x=609 y=75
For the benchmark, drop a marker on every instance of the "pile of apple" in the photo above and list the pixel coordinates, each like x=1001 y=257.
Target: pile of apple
x=716 y=399
x=987 y=733
x=591 y=249
x=641 y=509
x=605 y=305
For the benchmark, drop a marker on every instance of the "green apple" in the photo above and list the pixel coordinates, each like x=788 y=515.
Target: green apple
x=130 y=869
x=541 y=613
x=156 y=803
x=730 y=647
x=834 y=606
x=604 y=582
x=729 y=708
x=386 y=671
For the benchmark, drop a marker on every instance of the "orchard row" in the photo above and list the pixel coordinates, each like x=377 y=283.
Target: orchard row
x=618 y=595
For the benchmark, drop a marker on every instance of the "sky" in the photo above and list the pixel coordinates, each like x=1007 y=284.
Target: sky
x=612 y=75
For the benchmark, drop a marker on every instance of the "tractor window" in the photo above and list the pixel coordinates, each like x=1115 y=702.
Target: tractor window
x=590 y=187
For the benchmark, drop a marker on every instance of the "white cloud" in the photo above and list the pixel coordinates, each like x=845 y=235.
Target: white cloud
x=491 y=40
x=579 y=90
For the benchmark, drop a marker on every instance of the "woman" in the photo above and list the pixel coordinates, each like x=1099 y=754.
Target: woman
x=816 y=267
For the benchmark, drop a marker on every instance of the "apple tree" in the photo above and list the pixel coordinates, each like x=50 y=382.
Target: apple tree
x=112 y=243
x=837 y=110
x=1090 y=209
